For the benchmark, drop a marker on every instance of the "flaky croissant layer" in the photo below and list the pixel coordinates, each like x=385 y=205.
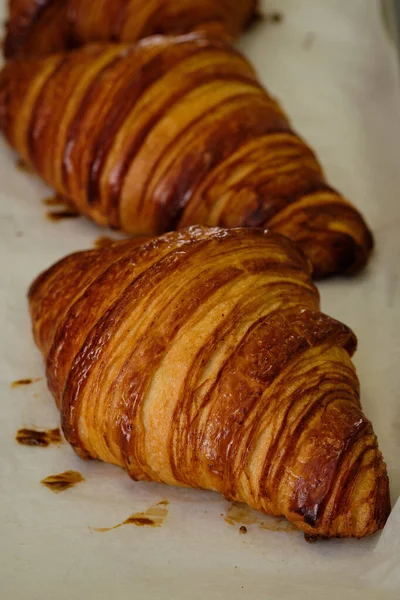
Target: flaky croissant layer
x=39 y=27
x=200 y=358
x=175 y=132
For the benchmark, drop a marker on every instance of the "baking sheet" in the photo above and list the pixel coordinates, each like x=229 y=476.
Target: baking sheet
x=334 y=68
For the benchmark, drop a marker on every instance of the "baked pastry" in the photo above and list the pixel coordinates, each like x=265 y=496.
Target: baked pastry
x=200 y=358
x=39 y=27
x=175 y=132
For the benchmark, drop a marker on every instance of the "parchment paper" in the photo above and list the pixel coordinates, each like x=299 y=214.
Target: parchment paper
x=333 y=66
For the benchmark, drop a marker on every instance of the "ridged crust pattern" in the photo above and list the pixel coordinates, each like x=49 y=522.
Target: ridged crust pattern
x=173 y=132
x=40 y=27
x=200 y=358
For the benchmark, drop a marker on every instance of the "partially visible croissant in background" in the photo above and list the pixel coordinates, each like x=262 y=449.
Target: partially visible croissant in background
x=200 y=358
x=38 y=27
x=174 y=132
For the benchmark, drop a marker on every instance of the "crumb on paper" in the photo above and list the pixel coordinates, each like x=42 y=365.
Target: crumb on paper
x=67 y=208
x=242 y=529
x=34 y=437
x=152 y=517
x=60 y=215
x=274 y=17
x=25 y=381
x=55 y=200
x=62 y=481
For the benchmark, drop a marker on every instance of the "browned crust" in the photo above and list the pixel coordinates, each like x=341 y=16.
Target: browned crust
x=200 y=358
x=31 y=21
x=172 y=132
x=23 y=14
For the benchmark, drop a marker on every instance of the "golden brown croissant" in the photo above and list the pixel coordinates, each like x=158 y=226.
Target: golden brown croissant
x=200 y=358
x=38 y=27
x=175 y=132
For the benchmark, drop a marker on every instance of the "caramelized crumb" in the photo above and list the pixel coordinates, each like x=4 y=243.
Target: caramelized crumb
x=31 y=437
x=60 y=215
x=139 y=521
x=62 y=481
x=243 y=529
x=274 y=17
x=153 y=517
x=55 y=200
x=26 y=381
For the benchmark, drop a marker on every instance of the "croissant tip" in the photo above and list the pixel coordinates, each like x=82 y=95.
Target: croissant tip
x=338 y=254
x=368 y=507
x=362 y=254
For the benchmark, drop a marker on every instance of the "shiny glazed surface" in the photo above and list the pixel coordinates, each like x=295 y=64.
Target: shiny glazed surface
x=174 y=132
x=39 y=27
x=201 y=358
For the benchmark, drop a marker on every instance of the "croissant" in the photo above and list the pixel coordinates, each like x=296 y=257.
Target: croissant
x=200 y=358
x=175 y=132
x=38 y=27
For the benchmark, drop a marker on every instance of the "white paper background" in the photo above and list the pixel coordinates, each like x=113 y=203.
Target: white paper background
x=344 y=97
